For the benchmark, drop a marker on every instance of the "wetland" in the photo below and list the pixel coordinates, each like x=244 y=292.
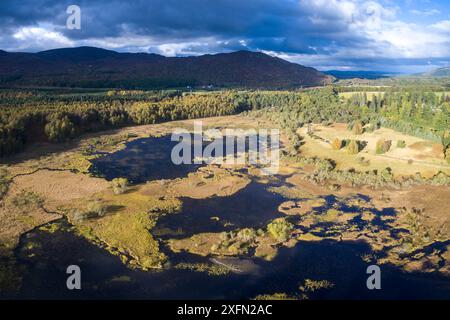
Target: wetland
x=216 y=231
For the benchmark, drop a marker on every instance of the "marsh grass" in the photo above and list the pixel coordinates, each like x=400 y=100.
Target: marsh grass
x=126 y=231
x=27 y=199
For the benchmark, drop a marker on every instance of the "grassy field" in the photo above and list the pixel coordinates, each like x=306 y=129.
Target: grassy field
x=447 y=93
x=418 y=156
x=370 y=94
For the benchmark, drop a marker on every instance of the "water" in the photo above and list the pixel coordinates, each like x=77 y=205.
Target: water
x=142 y=160
x=105 y=277
x=148 y=159
x=252 y=207
x=46 y=256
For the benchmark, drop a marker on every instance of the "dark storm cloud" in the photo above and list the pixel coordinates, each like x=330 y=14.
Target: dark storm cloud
x=264 y=24
x=19 y=13
x=319 y=33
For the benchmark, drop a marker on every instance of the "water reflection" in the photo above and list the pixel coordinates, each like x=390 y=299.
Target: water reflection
x=105 y=277
x=252 y=207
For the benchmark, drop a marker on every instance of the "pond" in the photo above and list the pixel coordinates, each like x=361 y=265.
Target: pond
x=150 y=158
x=142 y=160
x=253 y=206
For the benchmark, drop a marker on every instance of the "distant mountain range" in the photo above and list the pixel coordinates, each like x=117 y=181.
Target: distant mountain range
x=361 y=74
x=440 y=72
x=95 y=67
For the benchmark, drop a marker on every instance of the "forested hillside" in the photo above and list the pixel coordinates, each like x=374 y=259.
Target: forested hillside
x=89 y=67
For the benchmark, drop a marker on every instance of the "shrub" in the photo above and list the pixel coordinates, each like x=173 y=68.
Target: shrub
x=4 y=182
x=246 y=235
x=27 y=199
x=78 y=216
x=401 y=144
x=353 y=147
x=383 y=146
x=336 y=144
x=364 y=162
x=95 y=209
x=345 y=142
x=357 y=128
x=280 y=229
x=370 y=128
x=119 y=185
x=314 y=285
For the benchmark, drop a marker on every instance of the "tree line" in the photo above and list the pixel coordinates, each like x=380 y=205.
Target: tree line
x=26 y=116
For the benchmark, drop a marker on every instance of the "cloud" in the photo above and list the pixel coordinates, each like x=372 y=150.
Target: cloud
x=41 y=37
x=426 y=13
x=442 y=26
x=316 y=32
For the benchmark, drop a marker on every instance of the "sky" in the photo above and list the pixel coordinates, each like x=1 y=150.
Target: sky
x=405 y=36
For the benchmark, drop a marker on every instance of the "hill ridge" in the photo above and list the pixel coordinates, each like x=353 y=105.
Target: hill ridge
x=97 y=67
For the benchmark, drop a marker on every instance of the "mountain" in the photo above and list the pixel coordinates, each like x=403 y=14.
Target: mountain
x=440 y=72
x=77 y=55
x=95 y=67
x=361 y=74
